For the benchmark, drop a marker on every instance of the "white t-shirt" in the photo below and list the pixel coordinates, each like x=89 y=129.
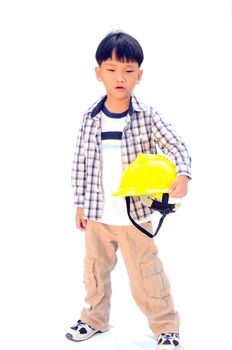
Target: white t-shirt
x=114 y=212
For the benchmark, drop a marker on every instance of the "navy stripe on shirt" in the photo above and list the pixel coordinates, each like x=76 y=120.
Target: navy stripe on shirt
x=111 y=135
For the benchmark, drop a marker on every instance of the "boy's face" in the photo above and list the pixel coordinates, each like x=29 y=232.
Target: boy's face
x=119 y=78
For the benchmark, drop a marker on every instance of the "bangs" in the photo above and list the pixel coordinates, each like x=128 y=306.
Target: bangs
x=124 y=53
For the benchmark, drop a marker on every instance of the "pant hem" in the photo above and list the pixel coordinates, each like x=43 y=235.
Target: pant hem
x=92 y=325
x=165 y=330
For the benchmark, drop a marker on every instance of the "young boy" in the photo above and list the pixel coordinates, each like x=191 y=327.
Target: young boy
x=113 y=132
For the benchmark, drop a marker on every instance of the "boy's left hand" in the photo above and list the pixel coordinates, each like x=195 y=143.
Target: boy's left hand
x=179 y=187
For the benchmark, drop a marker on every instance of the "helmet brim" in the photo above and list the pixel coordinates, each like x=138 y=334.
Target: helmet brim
x=131 y=193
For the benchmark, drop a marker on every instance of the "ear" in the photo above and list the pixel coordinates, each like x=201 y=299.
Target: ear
x=98 y=73
x=140 y=73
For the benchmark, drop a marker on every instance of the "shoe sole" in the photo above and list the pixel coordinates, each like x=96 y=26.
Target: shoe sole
x=70 y=337
x=163 y=347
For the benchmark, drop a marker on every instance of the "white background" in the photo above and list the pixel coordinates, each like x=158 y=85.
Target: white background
x=47 y=81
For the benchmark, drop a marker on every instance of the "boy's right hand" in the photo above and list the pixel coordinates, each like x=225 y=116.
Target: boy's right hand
x=80 y=221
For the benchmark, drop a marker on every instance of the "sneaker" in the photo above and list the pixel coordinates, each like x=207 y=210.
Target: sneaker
x=169 y=341
x=81 y=331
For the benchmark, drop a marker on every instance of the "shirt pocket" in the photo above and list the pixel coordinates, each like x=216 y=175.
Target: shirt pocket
x=154 y=281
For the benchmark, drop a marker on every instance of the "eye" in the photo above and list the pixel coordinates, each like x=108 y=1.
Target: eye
x=110 y=70
x=129 y=71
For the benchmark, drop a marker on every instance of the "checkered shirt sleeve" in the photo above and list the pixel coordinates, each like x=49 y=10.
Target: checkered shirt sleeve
x=79 y=169
x=171 y=144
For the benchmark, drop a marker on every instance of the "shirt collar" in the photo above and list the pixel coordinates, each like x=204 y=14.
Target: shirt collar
x=135 y=105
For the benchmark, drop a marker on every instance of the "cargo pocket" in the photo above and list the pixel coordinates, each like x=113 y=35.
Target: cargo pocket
x=89 y=275
x=154 y=282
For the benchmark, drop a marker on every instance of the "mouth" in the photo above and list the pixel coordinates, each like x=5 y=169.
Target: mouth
x=120 y=88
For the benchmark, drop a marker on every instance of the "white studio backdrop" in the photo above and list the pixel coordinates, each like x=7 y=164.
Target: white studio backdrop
x=47 y=81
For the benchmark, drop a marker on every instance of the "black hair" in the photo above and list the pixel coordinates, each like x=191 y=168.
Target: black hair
x=125 y=47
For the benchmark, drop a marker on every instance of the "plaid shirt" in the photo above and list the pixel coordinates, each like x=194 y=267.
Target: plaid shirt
x=144 y=131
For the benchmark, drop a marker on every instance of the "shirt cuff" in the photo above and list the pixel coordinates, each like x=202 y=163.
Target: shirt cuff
x=79 y=200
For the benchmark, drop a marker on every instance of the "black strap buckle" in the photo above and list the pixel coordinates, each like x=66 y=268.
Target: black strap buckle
x=164 y=208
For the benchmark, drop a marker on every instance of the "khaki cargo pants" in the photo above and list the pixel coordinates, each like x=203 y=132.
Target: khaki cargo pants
x=149 y=285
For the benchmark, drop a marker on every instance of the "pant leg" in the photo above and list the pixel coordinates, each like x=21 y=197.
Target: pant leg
x=100 y=259
x=149 y=284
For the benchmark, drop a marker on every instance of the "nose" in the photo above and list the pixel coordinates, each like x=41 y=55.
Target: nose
x=120 y=78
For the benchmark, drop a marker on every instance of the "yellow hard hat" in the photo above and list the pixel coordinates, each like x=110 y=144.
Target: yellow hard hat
x=148 y=174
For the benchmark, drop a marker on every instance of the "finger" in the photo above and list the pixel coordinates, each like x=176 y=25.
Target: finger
x=79 y=224
x=83 y=224
x=172 y=189
x=175 y=195
x=178 y=193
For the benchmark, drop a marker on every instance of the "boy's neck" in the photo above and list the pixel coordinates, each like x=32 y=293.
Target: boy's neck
x=117 y=106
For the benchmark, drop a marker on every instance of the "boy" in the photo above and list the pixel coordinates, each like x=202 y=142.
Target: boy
x=113 y=132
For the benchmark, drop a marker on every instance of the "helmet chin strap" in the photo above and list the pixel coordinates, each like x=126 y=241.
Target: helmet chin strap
x=163 y=207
